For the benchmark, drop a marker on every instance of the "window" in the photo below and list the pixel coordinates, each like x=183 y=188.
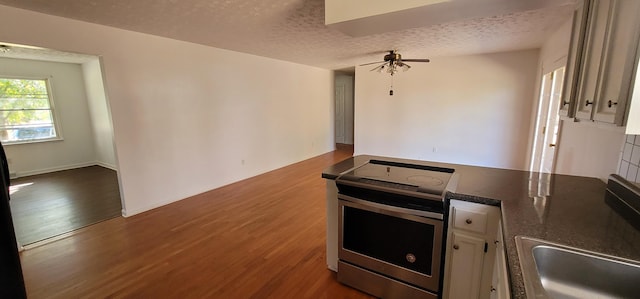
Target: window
x=26 y=111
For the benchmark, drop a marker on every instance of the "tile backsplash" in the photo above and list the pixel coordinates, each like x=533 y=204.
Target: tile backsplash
x=630 y=159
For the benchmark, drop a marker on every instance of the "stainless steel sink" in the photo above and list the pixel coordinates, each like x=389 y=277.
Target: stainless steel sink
x=556 y=271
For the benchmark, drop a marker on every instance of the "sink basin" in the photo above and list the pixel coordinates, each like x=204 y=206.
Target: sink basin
x=552 y=270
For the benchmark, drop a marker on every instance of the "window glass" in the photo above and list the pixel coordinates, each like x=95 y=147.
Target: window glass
x=26 y=113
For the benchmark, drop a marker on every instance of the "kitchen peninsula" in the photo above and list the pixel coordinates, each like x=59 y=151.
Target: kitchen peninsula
x=564 y=209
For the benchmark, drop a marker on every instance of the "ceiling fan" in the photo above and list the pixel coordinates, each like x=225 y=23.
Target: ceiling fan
x=392 y=63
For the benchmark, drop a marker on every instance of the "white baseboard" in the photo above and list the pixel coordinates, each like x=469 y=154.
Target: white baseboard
x=60 y=168
x=106 y=165
x=128 y=212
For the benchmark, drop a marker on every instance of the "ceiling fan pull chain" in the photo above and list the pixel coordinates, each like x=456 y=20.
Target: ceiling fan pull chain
x=391 y=90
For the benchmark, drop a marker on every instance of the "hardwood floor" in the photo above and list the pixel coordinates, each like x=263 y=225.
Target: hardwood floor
x=263 y=237
x=47 y=205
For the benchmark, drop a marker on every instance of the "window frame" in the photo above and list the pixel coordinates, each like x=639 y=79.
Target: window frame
x=54 y=114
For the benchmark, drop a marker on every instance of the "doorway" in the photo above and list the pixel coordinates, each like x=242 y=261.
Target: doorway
x=547 y=128
x=344 y=104
x=44 y=193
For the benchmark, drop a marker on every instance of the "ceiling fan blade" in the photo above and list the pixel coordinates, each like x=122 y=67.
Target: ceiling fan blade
x=372 y=63
x=379 y=68
x=416 y=60
x=405 y=67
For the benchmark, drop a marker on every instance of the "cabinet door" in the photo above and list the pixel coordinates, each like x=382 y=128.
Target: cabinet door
x=467 y=254
x=574 y=59
x=500 y=282
x=618 y=61
x=600 y=19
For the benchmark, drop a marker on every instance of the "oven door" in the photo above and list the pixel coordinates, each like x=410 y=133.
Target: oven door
x=401 y=243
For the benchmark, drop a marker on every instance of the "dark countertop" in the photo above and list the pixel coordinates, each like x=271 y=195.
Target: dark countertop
x=563 y=209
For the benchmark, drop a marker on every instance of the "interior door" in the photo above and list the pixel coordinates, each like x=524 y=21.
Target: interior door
x=540 y=130
x=344 y=108
x=547 y=123
x=553 y=123
x=340 y=117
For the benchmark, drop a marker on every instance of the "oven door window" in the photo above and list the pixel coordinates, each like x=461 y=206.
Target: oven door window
x=402 y=242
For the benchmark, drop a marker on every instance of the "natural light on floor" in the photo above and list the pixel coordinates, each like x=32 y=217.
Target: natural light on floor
x=16 y=188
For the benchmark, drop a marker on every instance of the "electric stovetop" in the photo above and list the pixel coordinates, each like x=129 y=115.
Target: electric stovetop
x=401 y=176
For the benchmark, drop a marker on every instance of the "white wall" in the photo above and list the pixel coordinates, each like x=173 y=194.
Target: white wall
x=77 y=148
x=589 y=149
x=553 y=53
x=100 y=114
x=189 y=118
x=467 y=109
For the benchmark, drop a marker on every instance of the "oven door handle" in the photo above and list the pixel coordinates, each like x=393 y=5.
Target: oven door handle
x=384 y=207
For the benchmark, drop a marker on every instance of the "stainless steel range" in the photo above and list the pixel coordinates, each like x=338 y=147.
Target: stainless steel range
x=390 y=234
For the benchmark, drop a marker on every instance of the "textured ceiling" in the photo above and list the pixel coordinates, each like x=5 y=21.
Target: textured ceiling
x=294 y=30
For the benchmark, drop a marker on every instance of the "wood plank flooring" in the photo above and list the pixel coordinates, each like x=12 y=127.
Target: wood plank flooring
x=263 y=237
x=47 y=205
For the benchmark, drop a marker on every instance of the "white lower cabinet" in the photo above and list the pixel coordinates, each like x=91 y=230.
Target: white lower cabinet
x=471 y=250
x=466 y=266
x=500 y=281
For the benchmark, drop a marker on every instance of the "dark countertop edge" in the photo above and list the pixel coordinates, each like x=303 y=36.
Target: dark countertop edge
x=329 y=176
x=473 y=199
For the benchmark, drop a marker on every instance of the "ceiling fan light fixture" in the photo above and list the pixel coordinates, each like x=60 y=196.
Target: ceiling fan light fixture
x=391 y=64
x=392 y=68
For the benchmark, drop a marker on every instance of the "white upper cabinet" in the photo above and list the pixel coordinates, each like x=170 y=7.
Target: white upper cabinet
x=574 y=58
x=633 y=121
x=601 y=61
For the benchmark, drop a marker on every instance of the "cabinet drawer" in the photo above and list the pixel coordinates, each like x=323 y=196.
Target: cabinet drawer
x=474 y=221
